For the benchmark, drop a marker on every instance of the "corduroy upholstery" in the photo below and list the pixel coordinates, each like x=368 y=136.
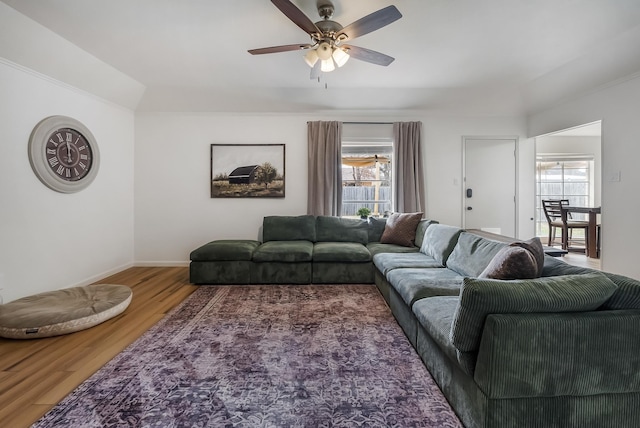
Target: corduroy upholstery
x=569 y=358
x=481 y=297
x=439 y=241
x=299 y=249
x=472 y=254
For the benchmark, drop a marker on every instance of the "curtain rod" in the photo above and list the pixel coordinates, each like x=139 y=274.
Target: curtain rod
x=367 y=123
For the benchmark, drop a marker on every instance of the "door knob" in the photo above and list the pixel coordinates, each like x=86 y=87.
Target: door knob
x=469 y=208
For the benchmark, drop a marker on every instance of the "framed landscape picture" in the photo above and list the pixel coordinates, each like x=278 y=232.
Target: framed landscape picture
x=247 y=170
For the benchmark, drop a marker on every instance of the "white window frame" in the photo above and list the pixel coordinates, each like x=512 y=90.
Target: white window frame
x=372 y=147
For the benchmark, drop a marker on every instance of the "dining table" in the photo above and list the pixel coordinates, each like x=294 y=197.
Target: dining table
x=591 y=247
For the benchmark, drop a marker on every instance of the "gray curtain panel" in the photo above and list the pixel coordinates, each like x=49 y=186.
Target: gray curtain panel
x=324 y=189
x=408 y=174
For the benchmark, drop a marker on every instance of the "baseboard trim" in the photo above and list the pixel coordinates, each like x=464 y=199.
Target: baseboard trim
x=100 y=276
x=161 y=264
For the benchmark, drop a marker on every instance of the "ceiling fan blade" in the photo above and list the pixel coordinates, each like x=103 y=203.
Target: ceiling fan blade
x=296 y=15
x=368 y=55
x=275 y=49
x=371 y=22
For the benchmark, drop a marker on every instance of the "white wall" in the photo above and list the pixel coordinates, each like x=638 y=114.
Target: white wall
x=617 y=106
x=50 y=240
x=174 y=213
x=443 y=143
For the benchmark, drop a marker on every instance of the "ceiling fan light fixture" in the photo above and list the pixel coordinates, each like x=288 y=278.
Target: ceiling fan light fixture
x=327 y=65
x=311 y=57
x=340 y=56
x=324 y=51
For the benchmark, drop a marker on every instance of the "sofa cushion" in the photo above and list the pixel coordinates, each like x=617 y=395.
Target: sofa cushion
x=336 y=229
x=553 y=266
x=472 y=254
x=401 y=229
x=284 y=251
x=439 y=241
x=517 y=260
x=435 y=315
x=376 y=227
x=414 y=284
x=289 y=228
x=626 y=296
x=340 y=252
x=481 y=297
x=421 y=230
x=377 y=248
x=225 y=250
x=389 y=261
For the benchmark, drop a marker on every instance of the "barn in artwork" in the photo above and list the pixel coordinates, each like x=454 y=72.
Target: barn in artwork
x=243 y=175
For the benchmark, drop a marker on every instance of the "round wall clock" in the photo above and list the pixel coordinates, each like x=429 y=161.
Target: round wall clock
x=63 y=154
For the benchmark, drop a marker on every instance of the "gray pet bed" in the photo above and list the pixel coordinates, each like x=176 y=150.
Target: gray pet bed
x=62 y=311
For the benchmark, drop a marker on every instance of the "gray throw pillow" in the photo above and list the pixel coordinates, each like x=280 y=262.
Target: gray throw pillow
x=534 y=246
x=511 y=263
x=518 y=260
x=401 y=229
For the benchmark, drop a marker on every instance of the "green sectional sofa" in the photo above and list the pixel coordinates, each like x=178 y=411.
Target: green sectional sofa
x=560 y=349
x=299 y=250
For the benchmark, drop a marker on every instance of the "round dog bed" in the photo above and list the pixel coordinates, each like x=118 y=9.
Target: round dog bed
x=62 y=311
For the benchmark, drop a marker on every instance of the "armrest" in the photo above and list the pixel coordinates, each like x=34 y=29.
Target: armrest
x=546 y=355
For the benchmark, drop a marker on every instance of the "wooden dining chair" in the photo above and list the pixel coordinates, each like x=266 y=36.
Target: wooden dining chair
x=553 y=213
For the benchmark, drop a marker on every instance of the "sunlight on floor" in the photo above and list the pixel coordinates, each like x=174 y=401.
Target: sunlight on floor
x=578 y=259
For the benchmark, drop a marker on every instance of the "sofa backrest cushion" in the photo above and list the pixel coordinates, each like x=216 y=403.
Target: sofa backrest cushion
x=554 y=266
x=472 y=254
x=439 y=241
x=626 y=296
x=481 y=297
x=421 y=230
x=289 y=228
x=376 y=227
x=401 y=229
x=518 y=260
x=336 y=229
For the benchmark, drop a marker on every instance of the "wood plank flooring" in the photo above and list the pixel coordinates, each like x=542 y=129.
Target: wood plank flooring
x=36 y=374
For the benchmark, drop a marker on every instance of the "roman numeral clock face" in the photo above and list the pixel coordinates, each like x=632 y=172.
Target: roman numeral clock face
x=69 y=154
x=63 y=154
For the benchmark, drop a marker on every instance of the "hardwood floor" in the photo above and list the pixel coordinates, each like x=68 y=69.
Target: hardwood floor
x=578 y=259
x=36 y=374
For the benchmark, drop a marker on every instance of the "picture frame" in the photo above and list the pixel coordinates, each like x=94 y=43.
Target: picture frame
x=247 y=170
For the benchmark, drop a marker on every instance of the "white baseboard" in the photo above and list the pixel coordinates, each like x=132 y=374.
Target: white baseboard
x=100 y=276
x=161 y=264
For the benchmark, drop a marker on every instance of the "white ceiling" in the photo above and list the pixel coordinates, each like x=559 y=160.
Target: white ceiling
x=489 y=56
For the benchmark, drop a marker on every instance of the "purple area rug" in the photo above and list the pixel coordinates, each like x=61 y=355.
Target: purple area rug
x=264 y=356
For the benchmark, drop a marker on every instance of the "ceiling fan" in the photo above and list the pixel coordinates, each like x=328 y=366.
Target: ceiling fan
x=329 y=46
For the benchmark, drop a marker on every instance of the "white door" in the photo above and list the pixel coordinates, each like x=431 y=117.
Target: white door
x=489 y=192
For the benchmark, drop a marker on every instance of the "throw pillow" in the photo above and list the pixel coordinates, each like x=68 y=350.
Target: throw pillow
x=534 y=246
x=401 y=229
x=511 y=262
x=518 y=260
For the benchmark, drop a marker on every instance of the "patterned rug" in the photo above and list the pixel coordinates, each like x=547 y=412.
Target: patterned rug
x=264 y=356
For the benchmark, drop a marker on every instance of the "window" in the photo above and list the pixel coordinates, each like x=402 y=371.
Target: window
x=367 y=176
x=563 y=177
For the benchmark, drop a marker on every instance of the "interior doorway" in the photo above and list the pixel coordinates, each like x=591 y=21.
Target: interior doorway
x=568 y=166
